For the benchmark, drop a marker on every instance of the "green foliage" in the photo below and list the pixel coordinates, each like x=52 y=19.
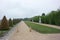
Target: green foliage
x=57 y=20
x=52 y=18
x=36 y=18
x=43 y=14
x=15 y=21
x=43 y=17
x=10 y=22
x=41 y=28
x=27 y=19
x=4 y=24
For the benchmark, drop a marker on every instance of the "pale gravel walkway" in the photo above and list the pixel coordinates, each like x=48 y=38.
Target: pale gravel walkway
x=54 y=26
x=23 y=33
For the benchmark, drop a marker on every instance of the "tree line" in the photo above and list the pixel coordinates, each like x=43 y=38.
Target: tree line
x=51 y=18
x=6 y=24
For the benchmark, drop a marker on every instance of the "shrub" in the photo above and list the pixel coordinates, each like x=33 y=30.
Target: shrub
x=4 y=24
x=10 y=22
x=36 y=18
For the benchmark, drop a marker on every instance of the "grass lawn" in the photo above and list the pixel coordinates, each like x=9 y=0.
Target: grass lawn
x=41 y=28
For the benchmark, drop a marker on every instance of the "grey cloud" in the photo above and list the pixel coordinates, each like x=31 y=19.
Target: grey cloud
x=27 y=8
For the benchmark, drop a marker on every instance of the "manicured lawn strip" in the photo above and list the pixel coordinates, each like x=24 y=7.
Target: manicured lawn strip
x=41 y=28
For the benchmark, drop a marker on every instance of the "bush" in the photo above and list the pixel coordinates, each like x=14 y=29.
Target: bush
x=36 y=18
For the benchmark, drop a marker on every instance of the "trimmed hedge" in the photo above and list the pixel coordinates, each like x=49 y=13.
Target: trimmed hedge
x=52 y=18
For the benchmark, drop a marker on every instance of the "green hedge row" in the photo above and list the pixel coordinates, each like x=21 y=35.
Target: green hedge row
x=6 y=24
x=52 y=18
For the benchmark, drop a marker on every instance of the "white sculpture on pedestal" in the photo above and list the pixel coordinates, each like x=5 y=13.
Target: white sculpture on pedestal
x=39 y=19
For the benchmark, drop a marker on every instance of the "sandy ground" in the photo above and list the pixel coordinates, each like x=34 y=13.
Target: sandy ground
x=54 y=26
x=23 y=33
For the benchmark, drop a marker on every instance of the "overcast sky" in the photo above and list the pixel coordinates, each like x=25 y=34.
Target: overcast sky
x=27 y=8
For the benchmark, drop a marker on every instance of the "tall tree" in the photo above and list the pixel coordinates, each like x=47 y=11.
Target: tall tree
x=43 y=17
x=43 y=14
x=10 y=22
x=4 y=23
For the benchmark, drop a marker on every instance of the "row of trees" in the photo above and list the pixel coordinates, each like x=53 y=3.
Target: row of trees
x=6 y=24
x=52 y=18
x=35 y=18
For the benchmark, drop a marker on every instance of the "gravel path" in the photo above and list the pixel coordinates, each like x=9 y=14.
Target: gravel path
x=54 y=26
x=23 y=33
